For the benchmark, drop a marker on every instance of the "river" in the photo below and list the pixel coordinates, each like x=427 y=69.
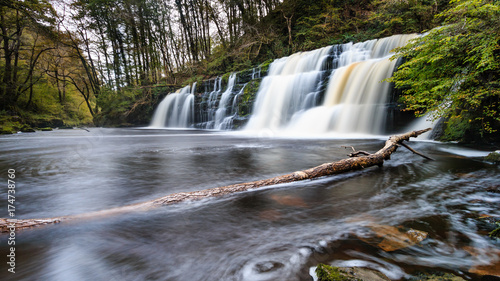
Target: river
x=275 y=233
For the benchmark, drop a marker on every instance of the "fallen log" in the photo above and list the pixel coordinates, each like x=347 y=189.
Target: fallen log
x=356 y=162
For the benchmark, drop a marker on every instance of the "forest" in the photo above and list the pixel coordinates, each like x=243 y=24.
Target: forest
x=80 y=62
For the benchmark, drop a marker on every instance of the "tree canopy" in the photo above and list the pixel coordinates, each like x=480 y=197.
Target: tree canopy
x=452 y=71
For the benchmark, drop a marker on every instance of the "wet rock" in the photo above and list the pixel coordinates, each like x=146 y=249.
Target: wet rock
x=394 y=238
x=125 y=125
x=493 y=157
x=268 y=266
x=489 y=271
x=66 y=127
x=27 y=129
x=332 y=273
x=388 y=238
x=5 y=131
x=435 y=276
x=491 y=224
x=45 y=123
x=494 y=188
x=416 y=236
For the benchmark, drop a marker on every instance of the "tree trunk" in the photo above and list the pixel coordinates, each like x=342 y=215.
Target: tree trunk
x=350 y=164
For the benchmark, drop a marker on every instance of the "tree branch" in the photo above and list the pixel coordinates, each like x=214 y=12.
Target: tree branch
x=416 y=152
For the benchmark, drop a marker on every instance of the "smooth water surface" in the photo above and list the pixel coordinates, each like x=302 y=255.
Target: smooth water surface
x=275 y=233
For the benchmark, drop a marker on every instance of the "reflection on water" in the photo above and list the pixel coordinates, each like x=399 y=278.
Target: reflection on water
x=276 y=233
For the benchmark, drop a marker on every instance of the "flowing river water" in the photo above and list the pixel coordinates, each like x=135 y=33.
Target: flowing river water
x=275 y=233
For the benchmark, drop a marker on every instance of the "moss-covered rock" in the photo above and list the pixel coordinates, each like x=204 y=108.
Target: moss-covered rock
x=493 y=157
x=8 y=128
x=27 y=129
x=265 y=66
x=9 y=124
x=225 y=78
x=47 y=122
x=4 y=131
x=332 y=273
x=245 y=101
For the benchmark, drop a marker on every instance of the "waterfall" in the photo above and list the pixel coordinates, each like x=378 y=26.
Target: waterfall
x=335 y=89
x=354 y=100
x=175 y=110
x=221 y=112
x=284 y=90
x=227 y=122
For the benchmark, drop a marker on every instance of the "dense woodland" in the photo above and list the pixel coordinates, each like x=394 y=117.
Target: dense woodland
x=73 y=62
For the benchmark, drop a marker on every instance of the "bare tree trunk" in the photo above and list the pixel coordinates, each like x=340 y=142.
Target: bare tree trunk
x=289 y=26
x=349 y=164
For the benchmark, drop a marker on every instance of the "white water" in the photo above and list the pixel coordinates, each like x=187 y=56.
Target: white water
x=354 y=100
x=225 y=99
x=176 y=110
x=227 y=121
x=282 y=92
x=301 y=96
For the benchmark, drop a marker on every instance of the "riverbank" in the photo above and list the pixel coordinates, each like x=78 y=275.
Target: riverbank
x=22 y=121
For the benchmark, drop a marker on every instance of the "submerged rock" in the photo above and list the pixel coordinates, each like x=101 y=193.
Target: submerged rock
x=390 y=238
x=493 y=188
x=268 y=266
x=486 y=262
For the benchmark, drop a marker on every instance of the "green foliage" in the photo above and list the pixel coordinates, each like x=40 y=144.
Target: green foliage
x=115 y=105
x=457 y=128
x=8 y=125
x=245 y=102
x=225 y=78
x=45 y=110
x=241 y=65
x=330 y=22
x=264 y=67
x=403 y=17
x=194 y=79
x=453 y=71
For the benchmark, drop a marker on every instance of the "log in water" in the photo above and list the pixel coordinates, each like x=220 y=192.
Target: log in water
x=342 y=166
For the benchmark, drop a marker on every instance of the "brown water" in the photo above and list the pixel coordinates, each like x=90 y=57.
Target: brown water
x=275 y=233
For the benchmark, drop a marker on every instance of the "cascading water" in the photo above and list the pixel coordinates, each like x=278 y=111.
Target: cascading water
x=227 y=122
x=176 y=109
x=212 y=102
x=335 y=89
x=284 y=90
x=355 y=98
x=224 y=102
